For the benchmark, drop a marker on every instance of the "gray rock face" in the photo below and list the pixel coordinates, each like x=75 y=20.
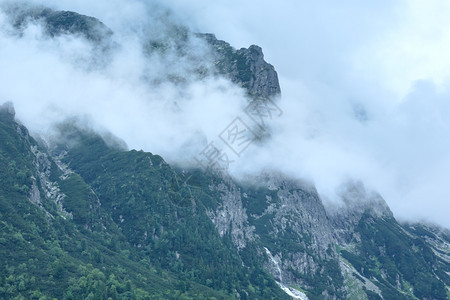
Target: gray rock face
x=35 y=194
x=42 y=163
x=356 y=201
x=307 y=211
x=286 y=222
x=245 y=67
x=51 y=189
x=303 y=243
x=231 y=217
x=298 y=232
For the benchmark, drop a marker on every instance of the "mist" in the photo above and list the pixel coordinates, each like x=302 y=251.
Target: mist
x=52 y=79
x=365 y=93
x=365 y=89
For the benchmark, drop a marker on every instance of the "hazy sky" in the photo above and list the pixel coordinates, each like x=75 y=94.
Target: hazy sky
x=365 y=89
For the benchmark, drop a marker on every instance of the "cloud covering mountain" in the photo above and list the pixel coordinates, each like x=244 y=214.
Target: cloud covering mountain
x=364 y=88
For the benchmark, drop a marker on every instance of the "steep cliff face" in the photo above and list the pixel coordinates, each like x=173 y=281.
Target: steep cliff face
x=245 y=67
x=54 y=187
x=230 y=216
x=355 y=249
x=286 y=222
x=295 y=230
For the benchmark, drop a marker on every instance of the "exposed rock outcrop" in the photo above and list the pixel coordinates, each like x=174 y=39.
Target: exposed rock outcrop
x=231 y=217
x=356 y=201
x=245 y=67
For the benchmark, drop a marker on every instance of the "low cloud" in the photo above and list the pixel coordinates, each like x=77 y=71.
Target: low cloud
x=365 y=93
x=365 y=88
x=51 y=79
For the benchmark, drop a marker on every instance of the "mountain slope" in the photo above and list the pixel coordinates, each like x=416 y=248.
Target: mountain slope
x=58 y=240
x=131 y=206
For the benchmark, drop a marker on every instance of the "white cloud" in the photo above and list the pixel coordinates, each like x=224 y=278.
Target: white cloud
x=51 y=79
x=365 y=89
x=415 y=47
x=387 y=60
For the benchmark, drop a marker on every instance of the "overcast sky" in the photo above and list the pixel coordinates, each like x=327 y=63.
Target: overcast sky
x=365 y=90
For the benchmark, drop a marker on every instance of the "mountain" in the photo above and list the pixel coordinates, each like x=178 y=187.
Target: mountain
x=83 y=217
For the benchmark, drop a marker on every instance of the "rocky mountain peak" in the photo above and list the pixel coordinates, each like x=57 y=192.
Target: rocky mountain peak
x=245 y=67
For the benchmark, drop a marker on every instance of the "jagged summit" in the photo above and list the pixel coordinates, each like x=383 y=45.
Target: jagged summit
x=246 y=67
